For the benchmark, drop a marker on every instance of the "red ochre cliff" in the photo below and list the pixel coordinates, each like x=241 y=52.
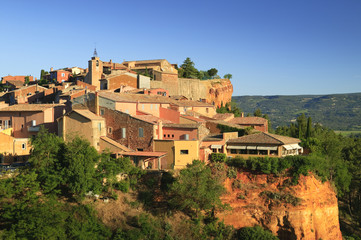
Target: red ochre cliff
x=308 y=210
x=219 y=91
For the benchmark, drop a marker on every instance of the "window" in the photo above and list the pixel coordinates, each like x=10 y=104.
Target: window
x=101 y=112
x=183 y=152
x=233 y=151
x=164 y=135
x=142 y=106
x=100 y=126
x=110 y=130
x=151 y=106
x=141 y=132
x=140 y=149
x=63 y=74
x=124 y=133
x=172 y=135
x=168 y=135
x=23 y=146
x=207 y=110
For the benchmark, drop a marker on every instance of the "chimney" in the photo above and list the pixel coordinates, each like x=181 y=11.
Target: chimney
x=96 y=103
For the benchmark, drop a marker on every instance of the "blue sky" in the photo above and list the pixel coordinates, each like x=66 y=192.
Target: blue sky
x=270 y=47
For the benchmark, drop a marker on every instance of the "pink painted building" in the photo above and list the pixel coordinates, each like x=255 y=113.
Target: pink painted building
x=26 y=119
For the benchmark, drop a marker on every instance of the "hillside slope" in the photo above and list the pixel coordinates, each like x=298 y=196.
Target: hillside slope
x=336 y=111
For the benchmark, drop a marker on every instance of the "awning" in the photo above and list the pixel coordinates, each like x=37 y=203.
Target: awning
x=236 y=147
x=252 y=147
x=292 y=146
x=266 y=148
x=296 y=146
x=216 y=146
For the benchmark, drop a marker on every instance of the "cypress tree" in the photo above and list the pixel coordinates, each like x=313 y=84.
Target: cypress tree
x=309 y=128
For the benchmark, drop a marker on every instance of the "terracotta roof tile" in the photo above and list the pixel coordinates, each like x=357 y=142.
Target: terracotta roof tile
x=248 y=120
x=116 y=144
x=145 y=154
x=192 y=118
x=265 y=138
x=176 y=125
x=29 y=107
x=88 y=114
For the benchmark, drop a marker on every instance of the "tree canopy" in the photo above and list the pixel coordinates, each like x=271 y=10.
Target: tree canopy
x=196 y=189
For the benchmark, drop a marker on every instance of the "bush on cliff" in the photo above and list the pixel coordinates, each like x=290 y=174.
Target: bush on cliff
x=296 y=166
x=252 y=233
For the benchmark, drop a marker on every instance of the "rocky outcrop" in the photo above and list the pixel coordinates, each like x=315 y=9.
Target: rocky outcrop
x=308 y=210
x=218 y=91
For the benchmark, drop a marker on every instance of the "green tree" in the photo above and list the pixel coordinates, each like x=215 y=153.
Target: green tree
x=257 y=113
x=79 y=167
x=309 y=128
x=301 y=125
x=228 y=76
x=188 y=69
x=27 y=80
x=45 y=157
x=196 y=189
x=212 y=72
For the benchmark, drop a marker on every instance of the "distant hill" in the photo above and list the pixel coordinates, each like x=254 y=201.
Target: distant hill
x=336 y=111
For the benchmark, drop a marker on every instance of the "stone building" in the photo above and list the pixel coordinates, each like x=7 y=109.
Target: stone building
x=164 y=75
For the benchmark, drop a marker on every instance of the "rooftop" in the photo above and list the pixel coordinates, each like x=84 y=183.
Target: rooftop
x=30 y=107
x=116 y=144
x=145 y=154
x=88 y=114
x=176 y=125
x=248 y=120
x=265 y=138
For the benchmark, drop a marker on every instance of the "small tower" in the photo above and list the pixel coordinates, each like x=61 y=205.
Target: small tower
x=95 y=67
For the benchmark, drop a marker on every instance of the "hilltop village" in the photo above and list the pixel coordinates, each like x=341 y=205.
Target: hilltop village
x=136 y=109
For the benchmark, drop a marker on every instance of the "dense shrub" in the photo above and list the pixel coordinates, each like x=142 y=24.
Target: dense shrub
x=218 y=157
x=251 y=233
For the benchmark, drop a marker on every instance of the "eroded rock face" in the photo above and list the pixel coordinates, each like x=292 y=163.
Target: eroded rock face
x=218 y=91
x=308 y=210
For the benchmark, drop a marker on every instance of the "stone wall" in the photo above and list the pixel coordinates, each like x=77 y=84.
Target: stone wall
x=117 y=120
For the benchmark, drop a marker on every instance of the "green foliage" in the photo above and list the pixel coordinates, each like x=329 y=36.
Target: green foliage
x=46 y=157
x=336 y=111
x=278 y=198
x=228 y=76
x=231 y=172
x=79 y=166
x=257 y=113
x=218 y=157
x=196 y=189
x=252 y=233
x=296 y=166
x=230 y=108
x=188 y=69
x=212 y=72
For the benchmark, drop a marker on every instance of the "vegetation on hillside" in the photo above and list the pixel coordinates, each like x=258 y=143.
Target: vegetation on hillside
x=336 y=111
x=55 y=197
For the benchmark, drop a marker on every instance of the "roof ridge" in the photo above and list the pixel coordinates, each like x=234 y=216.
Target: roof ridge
x=270 y=135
